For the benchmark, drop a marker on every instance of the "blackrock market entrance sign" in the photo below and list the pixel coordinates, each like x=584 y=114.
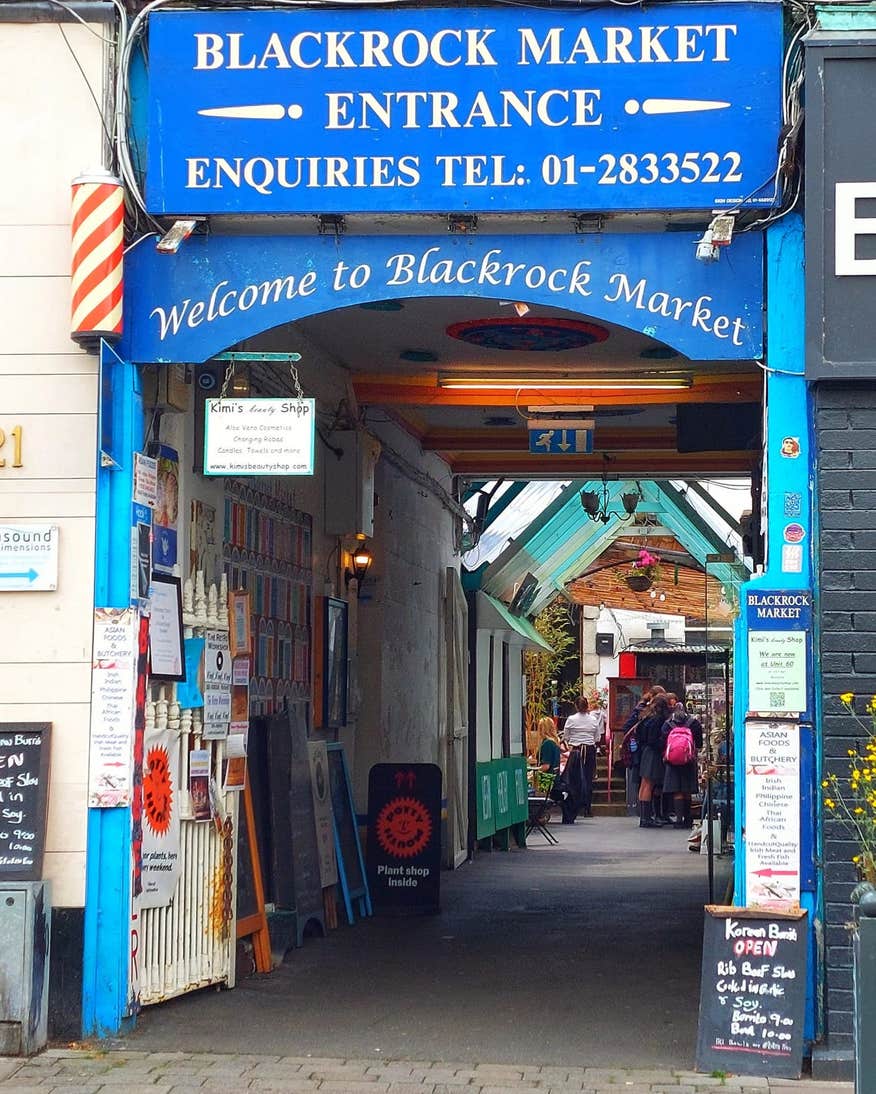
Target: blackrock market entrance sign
x=218 y=290
x=449 y=110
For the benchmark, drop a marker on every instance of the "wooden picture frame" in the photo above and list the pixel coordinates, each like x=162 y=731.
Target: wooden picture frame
x=334 y=662
x=166 y=649
x=239 y=623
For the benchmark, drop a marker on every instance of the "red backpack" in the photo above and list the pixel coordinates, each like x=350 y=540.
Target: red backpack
x=680 y=747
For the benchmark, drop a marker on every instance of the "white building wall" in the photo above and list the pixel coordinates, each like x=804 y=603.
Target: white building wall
x=49 y=388
x=629 y=628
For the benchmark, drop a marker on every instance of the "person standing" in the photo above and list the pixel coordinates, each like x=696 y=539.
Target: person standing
x=582 y=732
x=680 y=751
x=649 y=734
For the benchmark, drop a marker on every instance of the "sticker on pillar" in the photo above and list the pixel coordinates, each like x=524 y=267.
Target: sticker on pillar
x=793 y=503
x=790 y=448
x=792 y=558
x=794 y=533
x=404 y=838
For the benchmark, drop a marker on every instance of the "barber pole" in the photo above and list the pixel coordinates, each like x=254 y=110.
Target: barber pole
x=98 y=248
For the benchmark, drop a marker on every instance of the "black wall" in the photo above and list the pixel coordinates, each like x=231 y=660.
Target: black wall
x=65 y=974
x=845 y=427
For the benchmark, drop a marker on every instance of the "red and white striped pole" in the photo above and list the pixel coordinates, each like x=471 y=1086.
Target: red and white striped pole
x=98 y=248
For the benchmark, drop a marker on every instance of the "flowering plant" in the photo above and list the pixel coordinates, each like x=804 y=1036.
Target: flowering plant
x=645 y=565
x=853 y=801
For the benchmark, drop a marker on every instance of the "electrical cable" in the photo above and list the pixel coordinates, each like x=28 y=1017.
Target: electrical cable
x=75 y=15
x=104 y=126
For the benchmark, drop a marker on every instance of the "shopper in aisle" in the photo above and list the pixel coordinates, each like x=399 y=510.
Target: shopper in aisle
x=682 y=738
x=649 y=735
x=582 y=731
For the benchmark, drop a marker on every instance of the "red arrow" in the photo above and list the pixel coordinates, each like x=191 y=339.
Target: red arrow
x=768 y=871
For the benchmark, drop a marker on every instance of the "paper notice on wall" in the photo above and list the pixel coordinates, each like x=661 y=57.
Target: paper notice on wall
x=217 y=713
x=777 y=671
x=234 y=764
x=199 y=783
x=114 y=662
x=322 y=812
x=160 y=818
x=772 y=813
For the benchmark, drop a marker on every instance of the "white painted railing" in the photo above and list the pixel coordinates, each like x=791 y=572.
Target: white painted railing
x=191 y=943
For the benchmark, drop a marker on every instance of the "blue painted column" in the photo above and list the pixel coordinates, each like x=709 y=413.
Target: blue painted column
x=788 y=493
x=106 y=956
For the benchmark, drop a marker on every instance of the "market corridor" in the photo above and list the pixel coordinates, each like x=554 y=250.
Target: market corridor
x=585 y=954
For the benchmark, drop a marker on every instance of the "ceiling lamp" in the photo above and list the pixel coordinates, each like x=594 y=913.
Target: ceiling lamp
x=535 y=334
x=596 y=504
x=565 y=383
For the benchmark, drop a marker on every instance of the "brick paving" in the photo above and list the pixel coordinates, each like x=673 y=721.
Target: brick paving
x=101 y=1071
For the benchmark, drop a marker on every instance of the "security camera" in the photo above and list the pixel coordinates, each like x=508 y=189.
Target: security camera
x=707 y=251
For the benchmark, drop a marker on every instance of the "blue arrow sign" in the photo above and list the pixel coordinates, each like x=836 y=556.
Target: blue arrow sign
x=560 y=442
x=28 y=575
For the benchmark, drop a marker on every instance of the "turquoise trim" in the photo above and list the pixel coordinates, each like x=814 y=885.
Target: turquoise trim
x=107 y=941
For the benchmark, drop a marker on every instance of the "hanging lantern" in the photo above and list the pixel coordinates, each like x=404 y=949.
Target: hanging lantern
x=98 y=247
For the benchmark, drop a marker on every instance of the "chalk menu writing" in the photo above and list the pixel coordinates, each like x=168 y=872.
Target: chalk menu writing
x=753 y=992
x=24 y=771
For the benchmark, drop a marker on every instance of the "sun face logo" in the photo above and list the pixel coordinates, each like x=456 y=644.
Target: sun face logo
x=404 y=827
x=157 y=791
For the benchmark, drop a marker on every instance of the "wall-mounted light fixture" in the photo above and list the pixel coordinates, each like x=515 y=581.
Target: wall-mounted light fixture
x=555 y=383
x=360 y=559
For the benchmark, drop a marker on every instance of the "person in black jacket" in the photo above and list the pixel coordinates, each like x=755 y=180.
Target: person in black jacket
x=649 y=735
x=681 y=780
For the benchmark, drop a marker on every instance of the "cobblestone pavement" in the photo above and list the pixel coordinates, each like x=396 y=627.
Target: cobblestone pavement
x=81 y=1071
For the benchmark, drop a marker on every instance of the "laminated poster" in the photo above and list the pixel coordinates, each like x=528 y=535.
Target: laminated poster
x=160 y=818
x=199 y=783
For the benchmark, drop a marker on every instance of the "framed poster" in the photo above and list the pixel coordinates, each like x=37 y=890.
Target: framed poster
x=239 y=630
x=334 y=692
x=166 y=629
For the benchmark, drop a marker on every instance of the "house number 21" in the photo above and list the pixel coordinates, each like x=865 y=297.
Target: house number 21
x=14 y=437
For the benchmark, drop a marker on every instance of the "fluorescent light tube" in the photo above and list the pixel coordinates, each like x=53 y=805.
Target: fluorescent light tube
x=527 y=383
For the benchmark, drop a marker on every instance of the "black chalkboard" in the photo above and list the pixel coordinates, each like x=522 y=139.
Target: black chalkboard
x=753 y=992
x=345 y=820
x=24 y=780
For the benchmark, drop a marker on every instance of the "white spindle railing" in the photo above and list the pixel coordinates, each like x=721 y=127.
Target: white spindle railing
x=191 y=943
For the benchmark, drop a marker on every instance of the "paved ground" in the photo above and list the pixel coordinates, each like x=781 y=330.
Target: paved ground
x=555 y=969
x=586 y=954
x=185 y=1073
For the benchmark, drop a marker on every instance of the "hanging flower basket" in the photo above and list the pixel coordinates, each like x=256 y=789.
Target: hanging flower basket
x=642 y=573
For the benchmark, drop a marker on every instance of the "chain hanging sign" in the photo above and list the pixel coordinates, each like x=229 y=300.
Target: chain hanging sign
x=259 y=436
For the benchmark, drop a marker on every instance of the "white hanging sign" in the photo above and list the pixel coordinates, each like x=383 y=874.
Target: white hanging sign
x=259 y=436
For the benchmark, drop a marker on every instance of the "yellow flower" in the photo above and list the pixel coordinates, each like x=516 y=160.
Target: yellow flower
x=847 y=697
x=851 y=752
x=825 y=782
x=858 y=809
x=830 y=803
x=856 y=858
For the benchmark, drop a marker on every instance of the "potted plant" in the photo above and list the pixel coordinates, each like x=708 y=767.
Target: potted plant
x=643 y=571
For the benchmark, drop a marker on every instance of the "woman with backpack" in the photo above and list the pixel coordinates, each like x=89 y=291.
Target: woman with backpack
x=682 y=737
x=649 y=736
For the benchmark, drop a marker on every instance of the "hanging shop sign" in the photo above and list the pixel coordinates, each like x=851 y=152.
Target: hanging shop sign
x=259 y=436
x=753 y=992
x=840 y=191
x=404 y=838
x=220 y=290
x=772 y=813
x=463 y=109
x=28 y=557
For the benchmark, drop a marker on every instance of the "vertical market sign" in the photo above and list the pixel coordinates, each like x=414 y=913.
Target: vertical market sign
x=779 y=622
x=470 y=110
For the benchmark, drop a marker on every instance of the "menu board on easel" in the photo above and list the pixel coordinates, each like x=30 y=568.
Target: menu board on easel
x=753 y=992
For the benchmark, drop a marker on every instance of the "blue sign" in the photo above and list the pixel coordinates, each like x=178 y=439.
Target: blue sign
x=463 y=109
x=218 y=290
x=560 y=442
x=788 y=610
